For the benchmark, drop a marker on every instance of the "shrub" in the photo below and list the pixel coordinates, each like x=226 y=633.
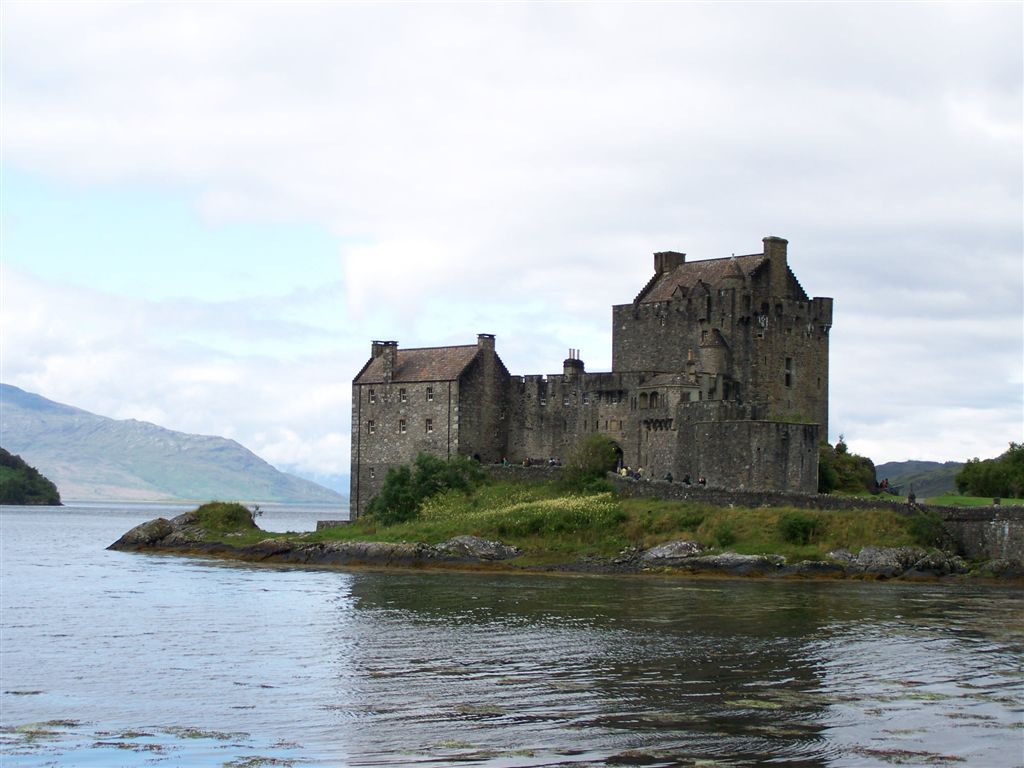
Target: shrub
x=586 y=466
x=929 y=530
x=797 y=527
x=406 y=488
x=224 y=516
x=725 y=535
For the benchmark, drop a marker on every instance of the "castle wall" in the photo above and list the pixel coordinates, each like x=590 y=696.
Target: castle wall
x=407 y=418
x=727 y=381
x=757 y=455
x=483 y=409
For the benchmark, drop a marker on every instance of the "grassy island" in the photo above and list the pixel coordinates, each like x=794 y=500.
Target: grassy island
x=450 y=514
x=22 y=484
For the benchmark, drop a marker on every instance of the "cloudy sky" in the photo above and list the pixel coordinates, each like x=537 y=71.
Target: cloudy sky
x=210 y=209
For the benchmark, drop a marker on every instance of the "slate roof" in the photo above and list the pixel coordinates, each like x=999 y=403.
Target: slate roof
x=423 y=364
x=709 y=271
x=668 y=380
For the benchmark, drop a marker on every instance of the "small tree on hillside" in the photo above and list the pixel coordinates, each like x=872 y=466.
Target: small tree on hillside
x=593 y=457
x=840 y=470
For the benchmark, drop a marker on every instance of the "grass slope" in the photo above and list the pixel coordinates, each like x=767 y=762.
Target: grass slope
x=552 y=527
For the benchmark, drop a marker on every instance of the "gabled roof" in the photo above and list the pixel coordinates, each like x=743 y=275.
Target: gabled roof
x=689 y=274
x=424 y=364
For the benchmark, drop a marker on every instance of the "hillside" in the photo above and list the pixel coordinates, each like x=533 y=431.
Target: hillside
x=22 y=484
x=93 y=457
x=929 y=478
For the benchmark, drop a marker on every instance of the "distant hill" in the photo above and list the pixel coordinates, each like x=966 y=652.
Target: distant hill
x=22 y=484
x=93 y=457
x=929 y=478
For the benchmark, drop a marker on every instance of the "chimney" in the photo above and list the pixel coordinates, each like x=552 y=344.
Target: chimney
x=388 y=352
x=572 y=365
x=775 y=251
x=485 y=341
x=666 y=261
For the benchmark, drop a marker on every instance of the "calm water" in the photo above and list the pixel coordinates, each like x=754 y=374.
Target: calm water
x=116 y=659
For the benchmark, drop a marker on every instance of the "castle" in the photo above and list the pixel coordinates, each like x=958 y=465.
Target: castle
x=719 y=371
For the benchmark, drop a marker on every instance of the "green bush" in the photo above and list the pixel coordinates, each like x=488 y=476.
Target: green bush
x=929 y=530
x=586 y=466
x=406 y=488
x=797 y=527
x=224 y=516
x=725 y=535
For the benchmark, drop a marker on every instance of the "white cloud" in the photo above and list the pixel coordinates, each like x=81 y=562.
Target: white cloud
x=509 y=169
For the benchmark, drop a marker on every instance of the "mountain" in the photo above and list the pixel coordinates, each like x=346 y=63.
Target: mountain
x=929 y=478
x=93 y=457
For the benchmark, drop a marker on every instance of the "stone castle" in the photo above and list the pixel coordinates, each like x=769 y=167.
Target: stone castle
x=719 y=371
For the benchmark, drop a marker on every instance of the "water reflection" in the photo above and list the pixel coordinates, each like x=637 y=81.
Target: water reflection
x=220 y=662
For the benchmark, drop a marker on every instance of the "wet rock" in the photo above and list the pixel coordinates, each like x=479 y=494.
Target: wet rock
x=476 y=548
x=144 y=535
x=880 y=562
x=939 y=563
x=736 y=564
x=1001 y=569
x=816 y=569
x=671 y=552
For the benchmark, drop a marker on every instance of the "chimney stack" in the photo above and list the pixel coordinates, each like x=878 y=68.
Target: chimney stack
x=775 y=251
x=666 y=261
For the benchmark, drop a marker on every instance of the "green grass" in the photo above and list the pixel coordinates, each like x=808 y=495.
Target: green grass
x=552 y=527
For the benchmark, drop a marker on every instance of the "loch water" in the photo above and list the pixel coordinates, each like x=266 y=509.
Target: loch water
x=122 y=659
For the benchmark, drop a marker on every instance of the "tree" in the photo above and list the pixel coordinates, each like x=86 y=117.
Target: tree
x=406 y=487
x=593 y=456
x=840 y=470
x=1002 y=476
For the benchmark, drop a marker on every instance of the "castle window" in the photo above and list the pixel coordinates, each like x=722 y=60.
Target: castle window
x=373 y=396
x=430 y=426
x=565 y=399
x=703 y=335
x=430 y=394
x=789 y=371
x=373 y=473
x=654 y=399
x=643 y=400
x=402 y=397
x=586 y=398
x=371 y=426
x=401 y=426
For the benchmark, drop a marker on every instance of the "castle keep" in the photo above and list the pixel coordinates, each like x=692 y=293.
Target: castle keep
x=719 y=370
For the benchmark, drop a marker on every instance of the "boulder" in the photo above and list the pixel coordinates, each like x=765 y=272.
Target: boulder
x=476 y=548
x=144 y=535
x=670 y=552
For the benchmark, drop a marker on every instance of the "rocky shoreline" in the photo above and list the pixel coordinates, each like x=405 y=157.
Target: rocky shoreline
x=182 y=535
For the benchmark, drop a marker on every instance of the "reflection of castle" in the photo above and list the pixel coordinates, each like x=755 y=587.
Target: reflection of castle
x=719 y=370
